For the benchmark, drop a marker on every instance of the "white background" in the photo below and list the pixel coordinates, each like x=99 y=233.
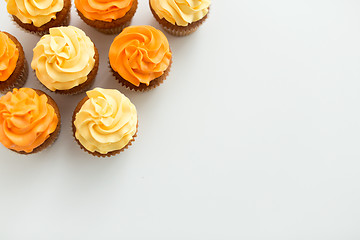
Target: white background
x=255 y=134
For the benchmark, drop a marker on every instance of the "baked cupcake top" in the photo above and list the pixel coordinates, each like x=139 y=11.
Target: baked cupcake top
x=103 y=10
x=140 y=54
x=26 y=119
x=63 y=59
x=106 y=122
x=37 y=12
x=180 y=12
x=9 y=54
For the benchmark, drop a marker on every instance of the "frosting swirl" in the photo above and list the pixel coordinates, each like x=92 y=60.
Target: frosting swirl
x=26 y=119
x=180 y=12
x=106 y=122
x=140 y=54
x=103 y=10
x=9 y=55
x=63 y=59
x=37 y=12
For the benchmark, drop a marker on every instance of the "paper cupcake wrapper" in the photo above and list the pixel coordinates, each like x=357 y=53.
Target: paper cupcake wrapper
x=115 y=30
x=21 y=80
x=179 y=32
x=23 y=76
x=143 y=87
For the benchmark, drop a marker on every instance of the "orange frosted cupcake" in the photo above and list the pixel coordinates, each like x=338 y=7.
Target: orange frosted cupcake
x=180 y=17
x=29 y=120
x=104 y=122
x=66 y=60
x=109 y=17
x=13 y=65
x=38 y=16
x=140 y=57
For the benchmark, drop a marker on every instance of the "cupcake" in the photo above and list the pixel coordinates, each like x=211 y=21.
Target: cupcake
x=104 y=122
x=29 y=120
x=13 y=65
x=109 y=17
x=140 y=57
x=66 y=60
x=39 y=16
x=180 y=17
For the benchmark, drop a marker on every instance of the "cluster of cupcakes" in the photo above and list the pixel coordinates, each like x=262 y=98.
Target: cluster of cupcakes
x=66 y=61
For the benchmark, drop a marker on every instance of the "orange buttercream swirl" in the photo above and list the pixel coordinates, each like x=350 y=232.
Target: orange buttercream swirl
x=26 y=119
x=103 y=10
x=140 y=54
x=9 y=55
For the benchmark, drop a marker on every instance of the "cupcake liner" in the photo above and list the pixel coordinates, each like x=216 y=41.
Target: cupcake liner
x=54 y=135
x=113 y=27
x=115 y=30
x=44 y=29
x=97 y=154
x=85 y=85
x=176 y=30
x=23 y=76
x=21 y=80
x=179 y=33
x=142 y=87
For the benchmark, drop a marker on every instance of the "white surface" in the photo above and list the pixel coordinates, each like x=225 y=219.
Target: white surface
x=254 y=135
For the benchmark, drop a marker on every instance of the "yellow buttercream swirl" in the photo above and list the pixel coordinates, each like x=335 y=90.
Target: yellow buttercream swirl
x=106 y=122
x=9 y=55
x=37 y=12
x=181 y=12
x=26 y=119
x=63 y=59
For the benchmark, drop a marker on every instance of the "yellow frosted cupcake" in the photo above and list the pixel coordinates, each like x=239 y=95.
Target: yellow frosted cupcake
x=29 y=120
x=180 y=17
x=105 y=122
x=66 y=60
x=140 y=57
x=13 y=65
x=38 y=16
x=109 y=17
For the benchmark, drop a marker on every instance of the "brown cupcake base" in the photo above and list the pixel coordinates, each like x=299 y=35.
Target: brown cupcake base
x=97 y=154
x=142 y=87
x=62 y=19
x=54 y=135
x=113 y=27
x=175 y=29
x=19 y=76
x=85 y=85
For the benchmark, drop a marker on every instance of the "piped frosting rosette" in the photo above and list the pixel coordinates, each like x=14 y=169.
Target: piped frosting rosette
x=140 y=54
x=106 y=11
x=64 y=58
x=106 y=121
x=37 y=12
x=26 y=119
